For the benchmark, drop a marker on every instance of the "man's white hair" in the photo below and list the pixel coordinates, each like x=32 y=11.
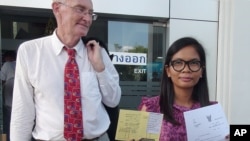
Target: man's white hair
x=58 y=0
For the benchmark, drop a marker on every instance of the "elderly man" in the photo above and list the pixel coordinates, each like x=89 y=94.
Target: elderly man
x=61 y=84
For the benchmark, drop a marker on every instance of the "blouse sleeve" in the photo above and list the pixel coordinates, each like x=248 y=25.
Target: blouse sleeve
x=152 y=104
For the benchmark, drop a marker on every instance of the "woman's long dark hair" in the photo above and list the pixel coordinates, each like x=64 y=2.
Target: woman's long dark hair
x=200 y=91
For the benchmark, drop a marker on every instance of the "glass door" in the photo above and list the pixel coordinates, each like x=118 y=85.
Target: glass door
x=139 y=49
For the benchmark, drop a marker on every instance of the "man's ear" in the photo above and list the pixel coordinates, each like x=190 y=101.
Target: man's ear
x=55 y=8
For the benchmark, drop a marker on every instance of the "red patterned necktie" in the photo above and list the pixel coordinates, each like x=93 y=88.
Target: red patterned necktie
x=73 y=124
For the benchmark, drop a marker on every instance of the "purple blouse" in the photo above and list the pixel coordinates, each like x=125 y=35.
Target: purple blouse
x=169 y=132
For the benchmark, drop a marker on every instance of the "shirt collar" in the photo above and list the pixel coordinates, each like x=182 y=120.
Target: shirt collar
x=58 y=45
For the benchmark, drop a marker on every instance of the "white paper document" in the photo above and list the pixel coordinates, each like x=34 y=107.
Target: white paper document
x=206 y=124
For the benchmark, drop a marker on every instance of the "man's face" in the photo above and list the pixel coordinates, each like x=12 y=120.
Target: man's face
x=75 y=17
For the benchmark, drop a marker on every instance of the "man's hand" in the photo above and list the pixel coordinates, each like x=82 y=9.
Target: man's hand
x=95 y=56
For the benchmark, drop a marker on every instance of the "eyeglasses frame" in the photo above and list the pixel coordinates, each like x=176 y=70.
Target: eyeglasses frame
x=185 y=63
x=76 y=9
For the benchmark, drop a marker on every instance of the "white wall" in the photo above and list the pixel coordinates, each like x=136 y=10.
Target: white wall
x=28 y=3
x=240 y=97
x=151 y=8
x=195 y=9
x=233 y=60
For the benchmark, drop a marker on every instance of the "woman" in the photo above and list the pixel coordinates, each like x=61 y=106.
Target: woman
x=183 y=87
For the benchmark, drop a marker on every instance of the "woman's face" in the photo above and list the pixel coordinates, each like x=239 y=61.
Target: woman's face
x=189 y=76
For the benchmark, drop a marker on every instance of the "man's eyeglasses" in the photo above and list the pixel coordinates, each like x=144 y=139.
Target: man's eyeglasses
x=179 y=65
x=82 y=11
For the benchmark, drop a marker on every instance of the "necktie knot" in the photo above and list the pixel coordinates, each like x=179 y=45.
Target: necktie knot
x=71 y=52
